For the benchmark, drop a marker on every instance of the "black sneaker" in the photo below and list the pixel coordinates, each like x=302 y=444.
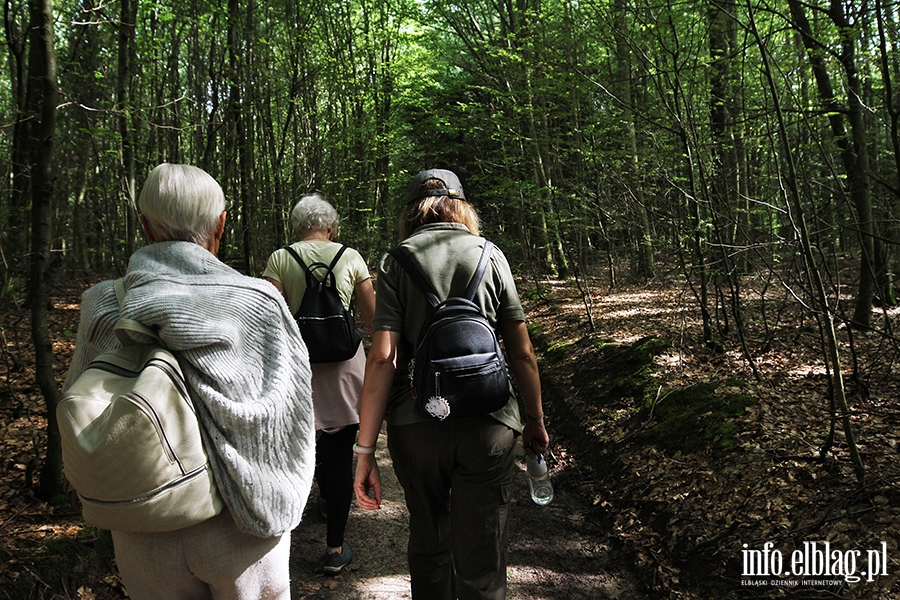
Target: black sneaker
x=336 y=561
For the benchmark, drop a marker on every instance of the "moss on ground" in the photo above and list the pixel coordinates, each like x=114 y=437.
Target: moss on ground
x=689 y=419
x=620 y=371
x=619 y=398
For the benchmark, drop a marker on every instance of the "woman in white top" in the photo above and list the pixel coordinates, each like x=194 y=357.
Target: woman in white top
x=337 y=386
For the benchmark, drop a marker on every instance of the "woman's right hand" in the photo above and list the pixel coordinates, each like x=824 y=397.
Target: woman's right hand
x=367 y=478
x=535 y=439
x=380 y=367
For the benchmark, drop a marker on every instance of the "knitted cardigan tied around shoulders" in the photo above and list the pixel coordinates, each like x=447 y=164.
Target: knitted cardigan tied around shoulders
x=245 y=363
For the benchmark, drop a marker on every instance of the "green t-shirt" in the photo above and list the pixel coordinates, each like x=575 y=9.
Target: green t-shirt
x=447 y=254
x=282 y=267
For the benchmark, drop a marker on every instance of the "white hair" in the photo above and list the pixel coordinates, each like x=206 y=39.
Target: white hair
x=313 y=213
x=182 y=202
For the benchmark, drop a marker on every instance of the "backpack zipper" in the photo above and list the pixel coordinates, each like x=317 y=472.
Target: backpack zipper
x=162 y=365
x=187 y=477
x=148 y=409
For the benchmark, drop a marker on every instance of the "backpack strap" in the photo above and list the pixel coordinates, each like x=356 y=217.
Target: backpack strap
x=123 y=326
x=119 y=286
x=310 y=278
x=426 y=287
x=416 y=275
x=479 y=270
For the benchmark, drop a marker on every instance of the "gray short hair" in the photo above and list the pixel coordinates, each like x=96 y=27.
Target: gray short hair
x=182 y=202
x=313 y=213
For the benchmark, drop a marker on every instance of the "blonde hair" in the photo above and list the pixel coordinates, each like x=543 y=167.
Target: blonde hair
x=438 y=209
x=182 y=202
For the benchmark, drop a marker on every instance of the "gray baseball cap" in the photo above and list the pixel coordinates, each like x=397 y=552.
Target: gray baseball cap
x=452 y=186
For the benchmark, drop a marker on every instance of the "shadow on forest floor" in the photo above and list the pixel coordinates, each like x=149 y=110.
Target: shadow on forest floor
x=672 y=466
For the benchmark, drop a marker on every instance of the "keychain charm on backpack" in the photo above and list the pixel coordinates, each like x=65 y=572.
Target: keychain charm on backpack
x=437 y=406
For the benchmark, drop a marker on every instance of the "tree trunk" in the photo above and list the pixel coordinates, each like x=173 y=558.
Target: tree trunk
x=128 y=16
x=42 y=99
x=886 y=253
x=241 y=152
x=832 y=356
x=854 y=150
x=246 y=145
x=15 y=234
x=856 y=158
x=645 y=267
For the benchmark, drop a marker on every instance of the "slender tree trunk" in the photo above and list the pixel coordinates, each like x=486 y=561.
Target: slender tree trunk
x=697 y=237
x=245 y=125
x=883 y=252
x=857 y=160
x=699 y=260
x=237 y=45
x=15 y=234
x=525 y=38
x=854 y=148
x=128 y=16
x=725 y=196
x=381 y=55
x=798 y=221
x=724 y=184
x=892 y=103
x=84 y=48
x=43 y=98
x=645 y=263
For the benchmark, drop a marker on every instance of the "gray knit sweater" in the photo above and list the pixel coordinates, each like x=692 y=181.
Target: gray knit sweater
x=245 y=363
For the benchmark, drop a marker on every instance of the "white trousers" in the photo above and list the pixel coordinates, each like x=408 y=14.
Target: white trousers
x=212 y=560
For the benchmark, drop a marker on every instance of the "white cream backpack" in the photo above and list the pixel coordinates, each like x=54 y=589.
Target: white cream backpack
x=131 y=440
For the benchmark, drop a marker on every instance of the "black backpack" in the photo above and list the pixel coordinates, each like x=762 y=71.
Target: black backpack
x=328 y=328
x=458 y=368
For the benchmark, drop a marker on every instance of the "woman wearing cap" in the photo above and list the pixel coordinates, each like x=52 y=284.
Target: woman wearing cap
x=457 y=544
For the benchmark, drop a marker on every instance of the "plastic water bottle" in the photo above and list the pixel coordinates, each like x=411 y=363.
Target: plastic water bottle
x=539 y=479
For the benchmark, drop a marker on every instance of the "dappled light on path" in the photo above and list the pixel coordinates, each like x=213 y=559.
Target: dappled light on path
x=555 y=551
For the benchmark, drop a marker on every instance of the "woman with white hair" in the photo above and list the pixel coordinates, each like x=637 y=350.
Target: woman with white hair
x=336 y=385
x=248 y=374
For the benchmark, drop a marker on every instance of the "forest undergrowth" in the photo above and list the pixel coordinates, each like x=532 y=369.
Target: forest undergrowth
x=702 y=467
x=691 y=463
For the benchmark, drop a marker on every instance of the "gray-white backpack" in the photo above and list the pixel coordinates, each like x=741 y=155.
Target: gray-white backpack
x=131 y=441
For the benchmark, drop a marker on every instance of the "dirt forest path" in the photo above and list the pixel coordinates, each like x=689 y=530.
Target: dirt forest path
x=555 y=552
